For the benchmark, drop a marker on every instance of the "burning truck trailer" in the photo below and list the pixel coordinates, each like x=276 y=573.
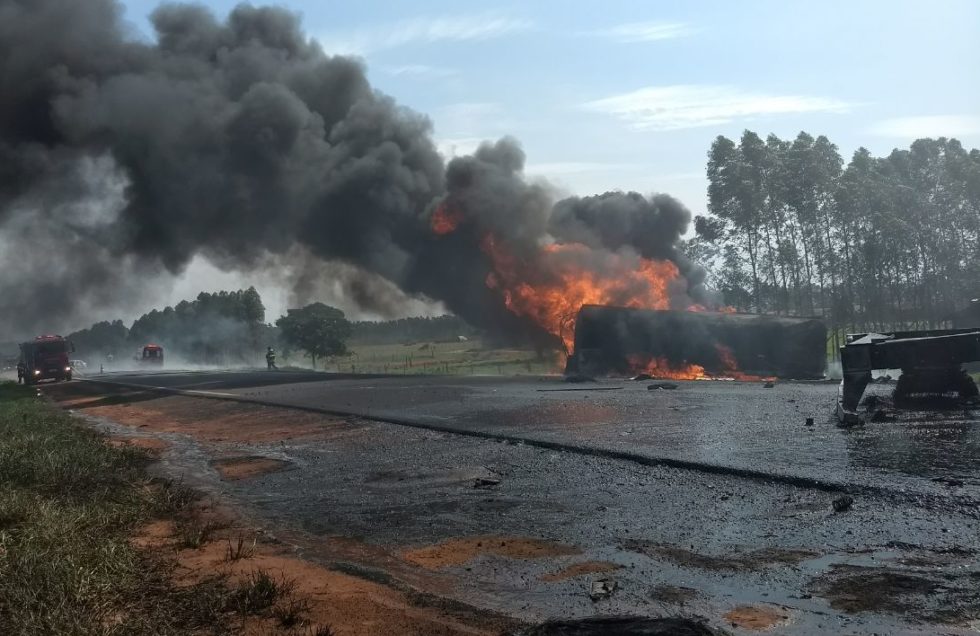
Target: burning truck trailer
x=932 y=364
x=697 y=344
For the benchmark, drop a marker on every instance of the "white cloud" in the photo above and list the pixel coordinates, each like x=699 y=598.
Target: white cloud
x=647 y=31
x=423 y=71
x=578 y=167
x=423 y=31
x=928 y=126
x=692 y=106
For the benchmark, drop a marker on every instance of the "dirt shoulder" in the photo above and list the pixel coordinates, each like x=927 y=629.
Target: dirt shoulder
x=256 y=583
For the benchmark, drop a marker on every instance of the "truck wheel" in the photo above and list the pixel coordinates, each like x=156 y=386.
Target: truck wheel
x=67 y=377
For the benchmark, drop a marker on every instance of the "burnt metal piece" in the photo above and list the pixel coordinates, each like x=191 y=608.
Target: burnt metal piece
x=842 y=503
x=931 y=364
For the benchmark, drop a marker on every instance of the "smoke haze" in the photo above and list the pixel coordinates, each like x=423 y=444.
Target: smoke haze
x=240 y=141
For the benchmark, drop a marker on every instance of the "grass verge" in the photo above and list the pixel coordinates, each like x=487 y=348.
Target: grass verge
x=69 y=506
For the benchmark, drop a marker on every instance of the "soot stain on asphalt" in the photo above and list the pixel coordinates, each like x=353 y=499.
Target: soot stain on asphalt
x=754 y=560
x=939 y=596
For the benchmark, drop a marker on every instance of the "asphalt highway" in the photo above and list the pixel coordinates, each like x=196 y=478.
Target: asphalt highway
x=741 y=426
x=706 y=497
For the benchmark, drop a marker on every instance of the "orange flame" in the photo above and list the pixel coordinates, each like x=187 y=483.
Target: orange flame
x=446 y=218
x=661 y=368
x=550 y=286
x=730 y=365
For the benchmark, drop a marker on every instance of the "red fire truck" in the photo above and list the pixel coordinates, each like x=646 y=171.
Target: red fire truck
x=152 y=354
x=44 y=358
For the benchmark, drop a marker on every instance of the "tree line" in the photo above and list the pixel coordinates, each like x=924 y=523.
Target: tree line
x=881 y=243
x=226 y=327
x=229 y=328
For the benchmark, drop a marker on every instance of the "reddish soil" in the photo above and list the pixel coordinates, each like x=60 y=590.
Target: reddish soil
x=757 y=617
x=580 y=569
x=236 y=468
x=152 y=444
x=349 y=605
x=204 y=419
x=459 y=551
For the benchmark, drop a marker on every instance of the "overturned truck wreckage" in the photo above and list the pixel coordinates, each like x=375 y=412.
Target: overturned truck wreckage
x=696 y=344
x=930 y=361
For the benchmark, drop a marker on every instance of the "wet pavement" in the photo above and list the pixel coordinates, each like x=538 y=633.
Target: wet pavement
x=738 y=425
x=704 y=541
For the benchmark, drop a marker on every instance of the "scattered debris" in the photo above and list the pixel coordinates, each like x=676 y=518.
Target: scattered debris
x=952 y=483
x=770 y=384
x=843 y=503
x=641 y=376
x=809 y=421
x=485 y=482
x=667 y=386
x=602 y=588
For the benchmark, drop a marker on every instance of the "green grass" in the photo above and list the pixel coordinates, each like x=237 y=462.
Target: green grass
x=446 y=358
x=69 y=505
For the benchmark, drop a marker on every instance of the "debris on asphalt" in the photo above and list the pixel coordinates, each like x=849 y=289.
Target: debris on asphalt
x=578 y=378
x=667 y=386
x=809 y=421
x=602 y=588
x=485 y=482
x=770 y=384
x=843 y=503
x=641 y=376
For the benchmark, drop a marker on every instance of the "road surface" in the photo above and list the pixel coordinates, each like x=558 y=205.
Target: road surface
x=703 y=500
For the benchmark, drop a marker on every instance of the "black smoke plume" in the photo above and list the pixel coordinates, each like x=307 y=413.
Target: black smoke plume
x=241 y=141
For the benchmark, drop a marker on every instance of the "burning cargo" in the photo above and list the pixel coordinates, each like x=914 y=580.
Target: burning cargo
x=697 y=344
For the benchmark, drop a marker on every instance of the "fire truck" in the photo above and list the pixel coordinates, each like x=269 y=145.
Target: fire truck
x=151 y=354
x=44 y=358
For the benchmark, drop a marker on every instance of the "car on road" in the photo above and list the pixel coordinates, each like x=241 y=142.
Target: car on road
x=79 y=365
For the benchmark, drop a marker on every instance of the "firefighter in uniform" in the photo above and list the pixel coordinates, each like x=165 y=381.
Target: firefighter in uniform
x=270 y=359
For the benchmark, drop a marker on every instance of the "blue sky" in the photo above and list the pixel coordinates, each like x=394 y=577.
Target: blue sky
x=629 y=95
